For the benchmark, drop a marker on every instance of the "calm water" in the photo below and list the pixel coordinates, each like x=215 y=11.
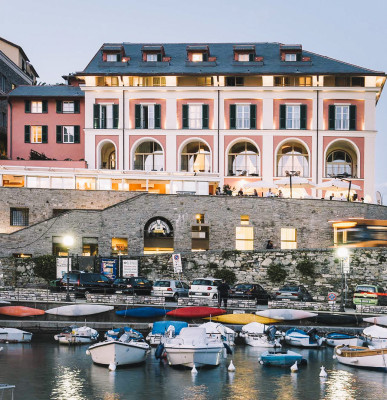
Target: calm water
x=44 y=370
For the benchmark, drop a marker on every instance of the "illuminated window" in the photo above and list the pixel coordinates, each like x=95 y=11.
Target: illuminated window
x=36 y=134
x=290 y=57
x=196 y=157
x=305 y=81
x=106 y=81
x=90 y=246
x=13 y=181
x=339 y=162
x=245 y=220
x=243 y=57
x=293 y=157
x=288 y=238
x=36 y=107
x=119 y=246
x=195 y=116
x=200 y=235
x=197 y=57
x=149 y=156
x=244 y=237
x=243 y=160
x=85 y=183
x=205 y=81
x=199 y=218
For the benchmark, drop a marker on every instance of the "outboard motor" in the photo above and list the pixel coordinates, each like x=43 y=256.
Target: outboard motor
x=171 y=331
x=312 y=334
x=270 y=333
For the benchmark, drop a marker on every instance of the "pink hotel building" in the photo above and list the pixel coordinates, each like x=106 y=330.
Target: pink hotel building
x=191 y=117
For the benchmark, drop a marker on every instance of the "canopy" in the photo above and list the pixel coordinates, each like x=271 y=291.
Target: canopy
x=254 y=327
x=161 y=327
x=259 y=185
x=337 y=184
x=297 y=182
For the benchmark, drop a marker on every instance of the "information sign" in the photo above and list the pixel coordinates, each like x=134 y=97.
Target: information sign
x=61 y=266
x=129 y=268
x=109 y=267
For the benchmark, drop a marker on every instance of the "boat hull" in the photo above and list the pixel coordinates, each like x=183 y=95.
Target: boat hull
x=20 y=311
x=76 y=310
x=277 y=359
x=70 y=339
x=188 y=356
x=344 y=341
x=118 y=353
x=362 y=357
x=243 y=319
x=285 y=314
x=260 y=341
x=12 y=335
x=298 y=338
x=196 y=312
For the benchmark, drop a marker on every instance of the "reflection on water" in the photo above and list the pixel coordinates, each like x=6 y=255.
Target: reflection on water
x=44 y=370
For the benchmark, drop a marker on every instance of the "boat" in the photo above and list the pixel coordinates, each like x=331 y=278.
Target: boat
x=162 y=328
x=192 y=348
x=380 y=320
x=13 y=335
x=285 y=314
x=77 y=335
x=337 y=319
x=78 y=310
x=338 y=338
x=196 y=312
x=215 y=330
x=362 y=357
x=281 y=358
x=122 y=347
x=142 y=312
x=375 y=336
x=298 y=337
x=4 y=302
x=243 y=319
x=259 y=335
x=20 y=311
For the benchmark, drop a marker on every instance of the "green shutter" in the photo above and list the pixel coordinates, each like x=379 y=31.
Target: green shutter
x=282 y=121
x=27 y=106
x=159 y=57
x=232 y=116
x=303 y=116
x=77 y=136
x=137 y=116
x=59 y=134
x=44 y=134
x=27 y=136
x=251 y=57
x=299 y=57
x=59 y=108
x=185 y=116
x=44 y=106
x=119 y=57
x=76 y=107
x=205 y=116
x=205 y=56
x=115 y=116
x=96 y=116
x=352 y=118
x=157 y=116
x=253 y=116
x=332 y=112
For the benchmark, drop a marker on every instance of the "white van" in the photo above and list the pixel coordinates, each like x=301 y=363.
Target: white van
x=204 y=287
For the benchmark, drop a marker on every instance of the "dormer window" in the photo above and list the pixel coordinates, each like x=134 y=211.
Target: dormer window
x=199 y=53
x=197 y=57
x=243 y=57
x=291 y=52
x=290 y=57
x=152 y=57
x=244 y=52
x=153 y=53
x=113 y=57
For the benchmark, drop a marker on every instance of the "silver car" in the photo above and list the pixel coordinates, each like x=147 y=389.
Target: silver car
x=170 y=288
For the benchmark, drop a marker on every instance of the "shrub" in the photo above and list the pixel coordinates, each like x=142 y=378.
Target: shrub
x=45 y=267
x=306 y=268
x=226 y=274
x=276 y=273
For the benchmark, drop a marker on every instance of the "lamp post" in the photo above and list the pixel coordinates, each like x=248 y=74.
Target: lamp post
x=343 y=177
x=290 y=174
x=68 y=241
x=343 y=254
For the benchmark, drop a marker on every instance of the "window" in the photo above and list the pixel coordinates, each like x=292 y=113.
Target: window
x=293 y=157
x=36 y=107
x=244 y=238
x=196 y=157
x=85 y=183
x=147 y=116
x=243 y=57
x=119 y=246
x=234 y=81
x=106 y=116
x=243 y=116
x=292 y=116
x=158 y=236
x=36 y=134
x=290 y=57
x=19 y=216
x=106 y=81
x=293 y=81
x=151 y=81
x=113 y=57
x=195 y=116
x=243 y=160
x=199 y=218
x=13 y=181
x=200 y=237
x=89 y=246
x=205 y=81
x=197 y=57
x=305 y=81
x=288 y=238
x=245 y=220
x=68 y=107
x=339 y=162
x=151 y=57
x=342 y=118
x=68 y=134
x=149 y=156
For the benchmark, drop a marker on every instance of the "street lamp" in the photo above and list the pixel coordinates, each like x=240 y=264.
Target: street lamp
x=343 y=254
x=68 y=241
x=290 y=174
x=343 y=177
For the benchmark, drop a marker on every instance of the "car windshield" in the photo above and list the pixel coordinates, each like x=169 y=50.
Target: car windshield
x=365 y=288
x=289 y=289
x=140 y=281
x=242 y=287
x=162 y=284
x=185 y=286
x=204 y=282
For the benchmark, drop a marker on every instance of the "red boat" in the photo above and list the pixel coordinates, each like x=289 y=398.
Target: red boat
x=20 y=311
x=196 y=312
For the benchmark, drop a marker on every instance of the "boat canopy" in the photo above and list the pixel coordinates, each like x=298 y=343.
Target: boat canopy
x=161 y=327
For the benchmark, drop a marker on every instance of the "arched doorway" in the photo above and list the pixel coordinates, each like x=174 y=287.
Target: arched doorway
x=293 y=156
x=107 y=156
x=148 y=156
x=341 y=159
x=158 y=236
x=196 y=157
x=243 y=159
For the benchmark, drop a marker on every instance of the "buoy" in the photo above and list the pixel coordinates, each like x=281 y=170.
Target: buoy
x=294 y=367
x=194 y=371
x=231 y=367
x=88 y=352
x=323 y=373
x=261 y=362
x=334 y=356
x=1 y=348
x=112 y=367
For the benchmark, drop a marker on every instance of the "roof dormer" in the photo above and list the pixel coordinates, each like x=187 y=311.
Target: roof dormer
x=114 y=53
x=154 y=53
x=291 y=52
x=245 y=53
x=199 y=53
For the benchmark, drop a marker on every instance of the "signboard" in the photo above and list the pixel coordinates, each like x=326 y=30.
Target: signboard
x=61 y=266
x=129 y=268
x=109 y=267
x=177 y=266
x=332 y=296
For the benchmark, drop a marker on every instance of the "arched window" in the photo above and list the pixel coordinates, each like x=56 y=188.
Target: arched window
x=149 y=156
x=196 y=157
x=339 y=162
x=108 y=156
x=243 y=159
x=292 y=157
x=158 y=236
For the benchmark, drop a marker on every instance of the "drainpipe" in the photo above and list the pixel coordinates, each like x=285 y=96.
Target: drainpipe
x=317 y=126
x=10 y=130
x=123 y=129
x=218 y=127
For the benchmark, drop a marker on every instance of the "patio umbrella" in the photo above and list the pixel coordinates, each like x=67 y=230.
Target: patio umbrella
x=338 y=184
x=259 y=185
x=295 y=182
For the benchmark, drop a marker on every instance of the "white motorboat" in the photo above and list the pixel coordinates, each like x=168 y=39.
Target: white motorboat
x=192 y=348
x=300 y=338
x=120 y=348
x=215 y=330
x=258 y=335
x=77 y=335
x=161 y=329
x=338 y=338
x=379 y=320
x=362 y=357
x=375 y=336
x=13 y=335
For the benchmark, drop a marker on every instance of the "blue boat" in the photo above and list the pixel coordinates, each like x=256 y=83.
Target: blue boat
x=284 y=358
x=300 y=338
x=143 y=312
x=161 y=328
x=338 y=338
x=115 y=333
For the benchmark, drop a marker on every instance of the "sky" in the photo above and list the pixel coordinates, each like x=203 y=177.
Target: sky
x=60 y=37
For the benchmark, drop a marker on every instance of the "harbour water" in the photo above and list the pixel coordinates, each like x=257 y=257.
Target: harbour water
x=45 y=370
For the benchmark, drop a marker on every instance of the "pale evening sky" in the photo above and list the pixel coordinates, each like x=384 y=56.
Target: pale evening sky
x=62 y=37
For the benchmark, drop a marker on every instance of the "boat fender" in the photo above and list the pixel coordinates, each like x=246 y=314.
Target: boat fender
x=338 y=351
x=159 y=351
x=287 y=337
x=112 y=367
x=334 y=356
x=56 y=337
x=88 y=352
x=261 y=362
x=229 y=351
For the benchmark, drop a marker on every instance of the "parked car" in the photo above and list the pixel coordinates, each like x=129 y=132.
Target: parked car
x=369 y=295
x=249 y=291
x=83 y=283
x=133 y=285
x=293 y=292
x=204 y=287
x=170 y=288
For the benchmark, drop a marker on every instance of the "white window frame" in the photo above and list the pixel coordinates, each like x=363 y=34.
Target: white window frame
x=68 y=107
x=195 y=116
x=108 y=116
x=293 y=116
x=288 y=238
x=197 y=57
x=36 y=107
x=36 y=131
x=290 y=57
x=68 y=134
x=151 y=116
x=342 y=117
x=244 y=238
x=111 y=57
x=243 y=57
x=242 y=116
x=151 y=57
